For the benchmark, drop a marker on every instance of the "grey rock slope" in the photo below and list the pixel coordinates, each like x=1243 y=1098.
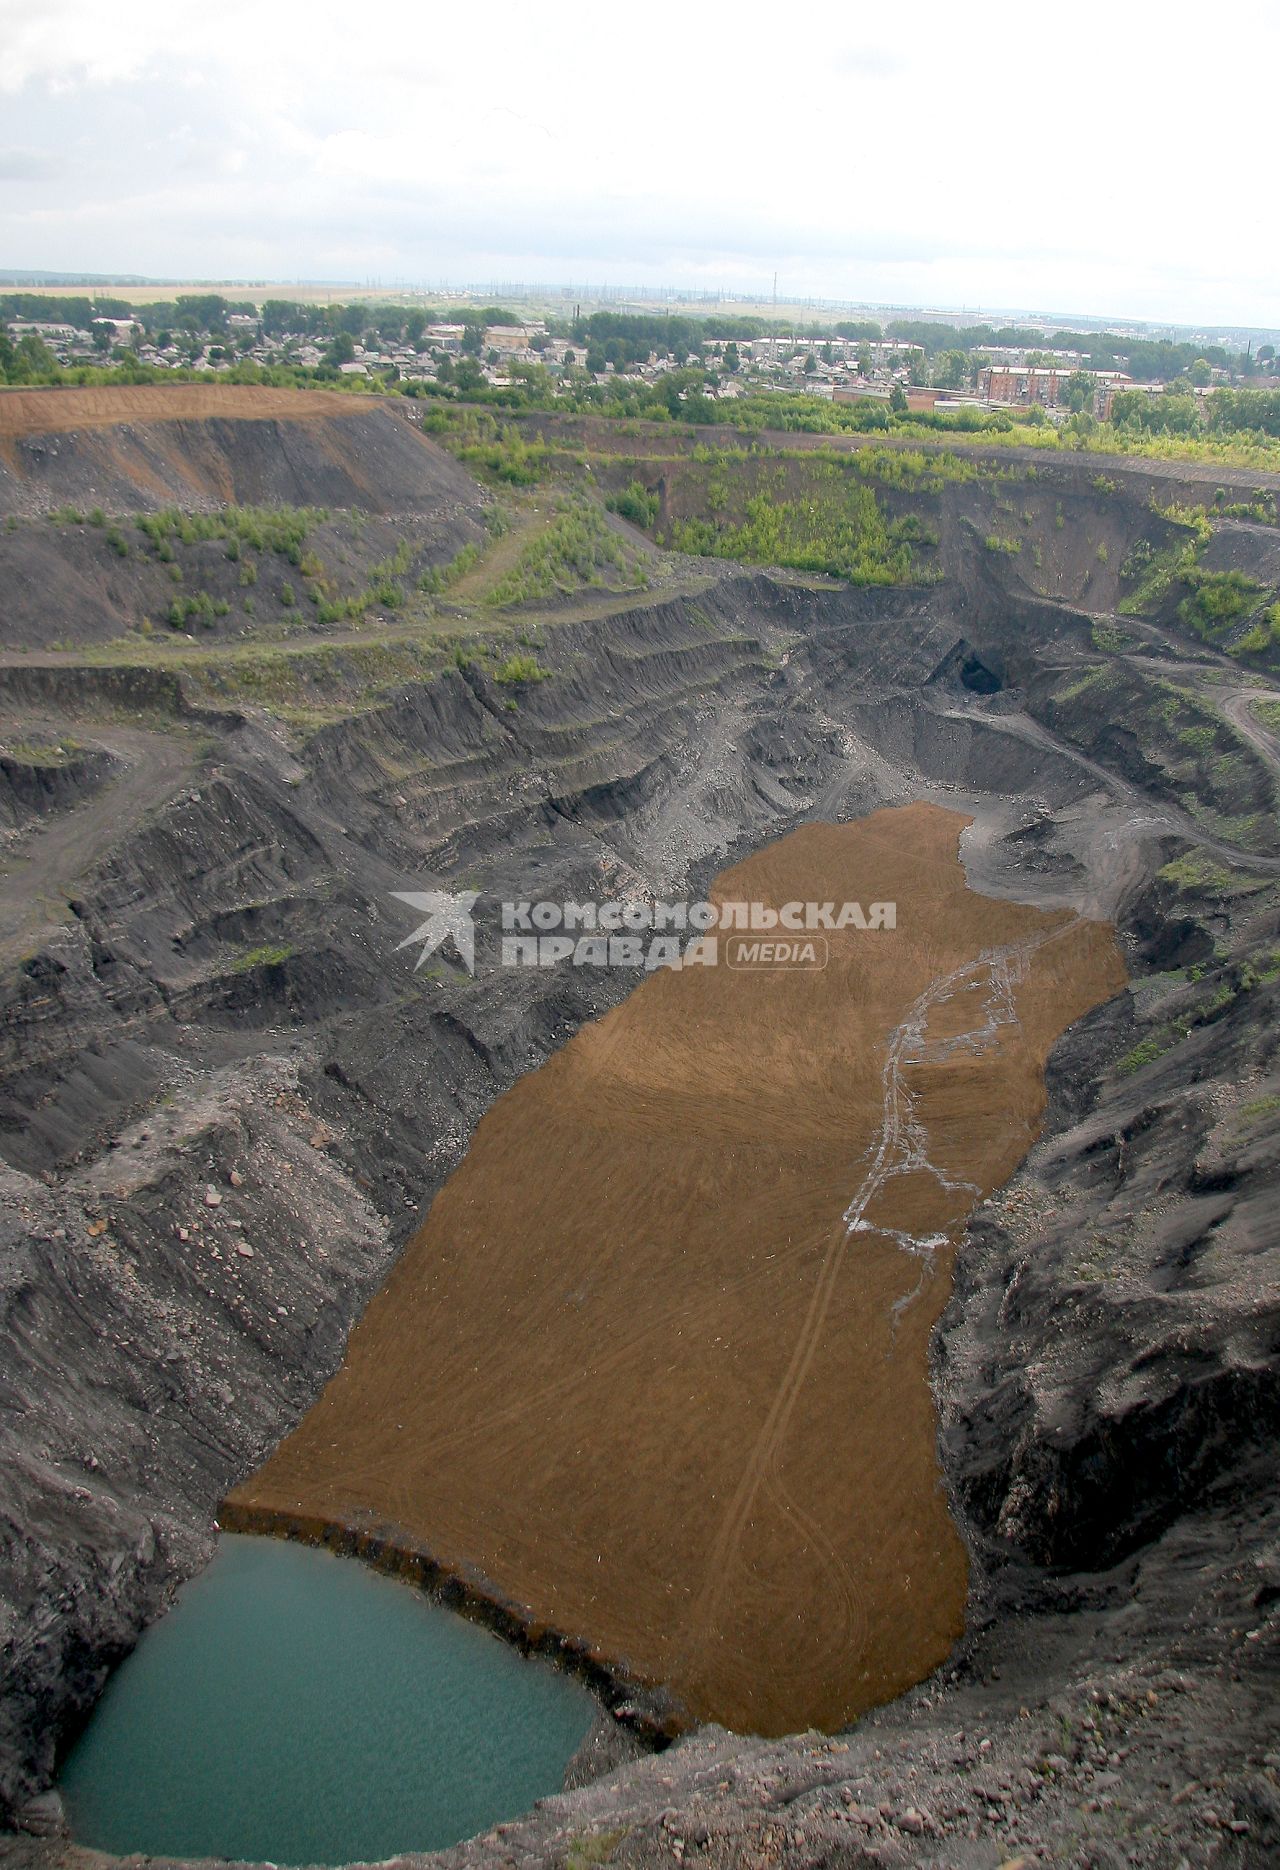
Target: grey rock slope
x=303 y=451
x=226 y=1098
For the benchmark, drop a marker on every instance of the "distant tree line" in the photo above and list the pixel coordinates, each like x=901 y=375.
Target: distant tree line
x=393 y=323
x=208 y=312
x=205 y=311
x=1245 y=409
x=1146 y=360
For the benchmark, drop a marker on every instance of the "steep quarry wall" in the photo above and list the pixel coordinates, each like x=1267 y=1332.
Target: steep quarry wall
x=196 y=446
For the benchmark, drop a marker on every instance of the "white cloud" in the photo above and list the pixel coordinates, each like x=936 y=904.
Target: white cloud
x=1021 y=160
x=29 y=165
x=871 y=61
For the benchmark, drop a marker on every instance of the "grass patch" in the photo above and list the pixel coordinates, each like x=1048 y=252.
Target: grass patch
x=1265 y=634
x=585 y=1853
x=270 y=954
x=1217 y=602
x=1095 y=674
x=40 y=753
x=280 y=529
x=439 y=578
x=1154 y=574
x=1195 y=874
x=495 y=451
x=1111 y=638
x=815 y=515
x=202 y=608
x=1146 y=1053
x=637 y=504
x=348 y=676
x=1192 y=519
x=1261 y=510
x=576 y=548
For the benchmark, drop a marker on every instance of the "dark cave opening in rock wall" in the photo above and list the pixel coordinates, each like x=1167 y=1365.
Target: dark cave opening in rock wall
x=978 y=678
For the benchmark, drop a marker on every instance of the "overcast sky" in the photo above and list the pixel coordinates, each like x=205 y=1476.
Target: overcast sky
x=1109 y=158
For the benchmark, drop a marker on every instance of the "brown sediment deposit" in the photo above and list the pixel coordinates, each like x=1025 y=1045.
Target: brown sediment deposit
x=655 y=1368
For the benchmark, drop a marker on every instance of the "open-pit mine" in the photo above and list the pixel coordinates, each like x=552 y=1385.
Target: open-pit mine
x=861 y=1375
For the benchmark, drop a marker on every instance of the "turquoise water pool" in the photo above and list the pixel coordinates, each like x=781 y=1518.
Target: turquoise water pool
x=298 y=1707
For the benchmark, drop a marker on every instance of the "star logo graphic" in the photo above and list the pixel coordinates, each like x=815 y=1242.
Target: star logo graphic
x=446 y=917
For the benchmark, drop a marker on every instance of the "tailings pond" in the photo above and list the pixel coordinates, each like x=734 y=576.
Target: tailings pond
x=654 y=1372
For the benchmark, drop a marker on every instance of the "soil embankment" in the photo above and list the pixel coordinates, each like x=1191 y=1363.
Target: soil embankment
x=24 y=412
x=195 y=446
x=654 y=1370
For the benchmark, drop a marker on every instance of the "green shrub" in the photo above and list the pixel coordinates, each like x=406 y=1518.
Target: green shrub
x=1217 y=601
x=280 y=529
x=1155 y=575
x=1265 y=634
x=637 y=504
x=520 y=669
x=495 y=450
x=1144 y=1053
x=576 y=547
x=815 y=516
x=438 y=578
